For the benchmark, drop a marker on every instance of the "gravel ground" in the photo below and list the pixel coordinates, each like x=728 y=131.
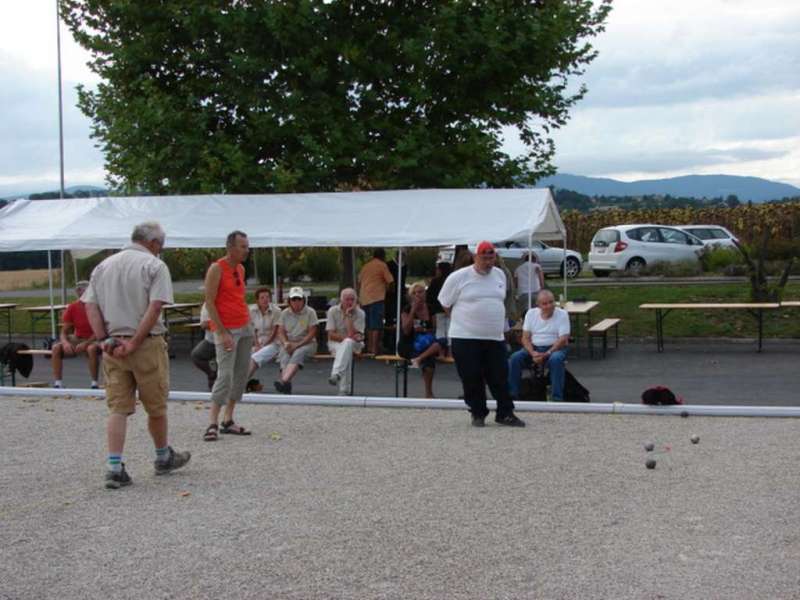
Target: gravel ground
x=382 y=503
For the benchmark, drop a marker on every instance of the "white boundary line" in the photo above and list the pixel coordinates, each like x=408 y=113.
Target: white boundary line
x=392 y=402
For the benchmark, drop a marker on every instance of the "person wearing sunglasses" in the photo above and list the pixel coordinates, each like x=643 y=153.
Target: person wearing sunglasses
x=233 y=334
x=474 y=297
x=297 y=331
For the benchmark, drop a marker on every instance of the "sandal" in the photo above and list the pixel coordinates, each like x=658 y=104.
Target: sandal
x=233 y=429
x=211 y=434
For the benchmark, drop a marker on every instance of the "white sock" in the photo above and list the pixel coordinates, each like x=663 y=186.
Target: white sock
x=58 y=384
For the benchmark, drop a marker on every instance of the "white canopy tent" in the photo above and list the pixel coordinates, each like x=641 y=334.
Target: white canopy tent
x=360 y=219
x=402 y=218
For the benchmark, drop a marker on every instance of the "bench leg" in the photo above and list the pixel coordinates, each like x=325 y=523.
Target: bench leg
x=605 y=343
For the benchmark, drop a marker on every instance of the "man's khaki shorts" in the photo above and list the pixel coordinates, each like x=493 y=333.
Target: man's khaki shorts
x=146 y=370
x=75 y=340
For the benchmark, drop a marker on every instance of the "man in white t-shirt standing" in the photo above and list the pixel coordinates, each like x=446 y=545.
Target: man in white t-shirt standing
x=530 y=279
x=474 y=298
x=545 y=336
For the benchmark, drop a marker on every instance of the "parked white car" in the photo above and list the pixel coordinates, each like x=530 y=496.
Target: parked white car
x=631 y=247
x=712 y=235
x=550 y=257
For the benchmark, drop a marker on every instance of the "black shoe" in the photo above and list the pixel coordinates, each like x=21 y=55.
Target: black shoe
x=284 y=387
x=175 y=461
x=511 y=420
x=478 y=421
x=114 y=481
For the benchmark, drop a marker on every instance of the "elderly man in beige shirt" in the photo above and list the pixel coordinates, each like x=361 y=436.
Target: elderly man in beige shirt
x=123 y=302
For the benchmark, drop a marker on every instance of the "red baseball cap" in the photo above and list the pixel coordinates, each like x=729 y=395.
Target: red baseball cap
x=485 y=246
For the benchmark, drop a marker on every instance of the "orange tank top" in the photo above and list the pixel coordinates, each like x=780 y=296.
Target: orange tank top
x=230 y=301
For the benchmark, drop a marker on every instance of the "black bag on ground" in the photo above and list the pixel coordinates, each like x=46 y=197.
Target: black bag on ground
x=533 y=388
x=660 y=396
x=573 y=390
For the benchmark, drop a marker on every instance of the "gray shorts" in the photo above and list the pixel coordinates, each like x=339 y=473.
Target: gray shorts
x=298 y=357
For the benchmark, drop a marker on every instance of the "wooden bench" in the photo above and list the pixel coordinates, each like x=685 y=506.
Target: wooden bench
x=47 y=353
x=400 y=365
x=601 y=329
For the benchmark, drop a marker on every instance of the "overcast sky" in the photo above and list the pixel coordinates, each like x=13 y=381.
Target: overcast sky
x=679 y=87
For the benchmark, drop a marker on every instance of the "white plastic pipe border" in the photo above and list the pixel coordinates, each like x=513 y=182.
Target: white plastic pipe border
x=392 y=402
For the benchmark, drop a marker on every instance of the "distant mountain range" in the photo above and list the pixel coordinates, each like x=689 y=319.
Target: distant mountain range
x=688 y=186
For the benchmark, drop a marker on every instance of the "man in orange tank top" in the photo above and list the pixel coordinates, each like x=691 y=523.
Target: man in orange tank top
x=233 y=333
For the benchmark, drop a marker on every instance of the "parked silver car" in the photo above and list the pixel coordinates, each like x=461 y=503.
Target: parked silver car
x=712 y=235
x=550 y=257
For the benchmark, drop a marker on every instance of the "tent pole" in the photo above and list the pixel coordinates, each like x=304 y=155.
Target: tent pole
x=564 y=259
x=255 y=267
x=398 y=284
x=275 y=277
x=530 y=269
x=50 y=286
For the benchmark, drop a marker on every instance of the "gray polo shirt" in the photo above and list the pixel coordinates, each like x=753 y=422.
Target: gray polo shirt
x=337 y=323
x=125 y=284
x=297 y=325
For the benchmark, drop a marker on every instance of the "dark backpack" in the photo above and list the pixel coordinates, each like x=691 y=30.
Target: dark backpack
x=660 y=396
x=573 y=390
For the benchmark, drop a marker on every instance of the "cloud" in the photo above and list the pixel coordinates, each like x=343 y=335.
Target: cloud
x=29 y=129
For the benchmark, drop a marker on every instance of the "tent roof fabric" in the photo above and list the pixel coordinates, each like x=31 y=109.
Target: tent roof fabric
x=360 y=219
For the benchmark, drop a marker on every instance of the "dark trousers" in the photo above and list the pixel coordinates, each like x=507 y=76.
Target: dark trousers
x=481 y=363
x=202 y=355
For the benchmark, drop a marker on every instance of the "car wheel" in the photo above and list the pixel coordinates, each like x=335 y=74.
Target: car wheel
x=601 y=273
x=573 y=267
x=635 y=265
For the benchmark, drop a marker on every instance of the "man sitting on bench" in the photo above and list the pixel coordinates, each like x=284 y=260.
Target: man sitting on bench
x=76 y=338
x=545 y=336
x=345 y=327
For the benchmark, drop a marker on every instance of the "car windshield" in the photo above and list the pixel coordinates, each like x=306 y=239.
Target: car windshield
x=719 y=234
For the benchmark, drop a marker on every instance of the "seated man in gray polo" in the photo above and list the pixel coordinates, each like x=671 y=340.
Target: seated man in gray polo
x=345 y=329
x=297 y=330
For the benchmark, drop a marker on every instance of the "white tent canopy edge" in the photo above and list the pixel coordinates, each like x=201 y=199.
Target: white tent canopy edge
x=405 y=218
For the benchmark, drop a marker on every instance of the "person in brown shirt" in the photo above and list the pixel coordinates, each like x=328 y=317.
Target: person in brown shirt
x=126 y=294
x=373 y=279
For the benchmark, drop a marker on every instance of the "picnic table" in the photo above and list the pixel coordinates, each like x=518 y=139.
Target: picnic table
x=578 y=309
x=182 y=313
x=755 y=309
x=6 y=309
x=41 y=313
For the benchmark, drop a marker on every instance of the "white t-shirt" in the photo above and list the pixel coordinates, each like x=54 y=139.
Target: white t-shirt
x=544 y=332
x=477 y=303
x=527 y=275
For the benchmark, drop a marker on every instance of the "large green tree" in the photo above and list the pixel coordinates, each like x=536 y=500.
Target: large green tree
x=245 y=96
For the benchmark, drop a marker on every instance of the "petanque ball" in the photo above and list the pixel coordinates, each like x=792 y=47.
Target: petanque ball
x=649 y=446
x=650 y=463
x=685 y=414
x=695 y=439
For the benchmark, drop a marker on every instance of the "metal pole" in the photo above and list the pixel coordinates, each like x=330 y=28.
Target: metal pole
x=60 y=145
x=50 y=282
x=564 y=259
x=530 y=269
x=274 y=276
x=255 y=267
x=398 y=284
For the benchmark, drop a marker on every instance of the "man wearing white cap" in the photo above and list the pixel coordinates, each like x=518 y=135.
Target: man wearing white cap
x=76 y=338
x=297 y=331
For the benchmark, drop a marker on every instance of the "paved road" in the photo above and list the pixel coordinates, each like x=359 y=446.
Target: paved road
x=702 y=371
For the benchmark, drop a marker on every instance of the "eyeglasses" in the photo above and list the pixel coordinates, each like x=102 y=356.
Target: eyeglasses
x=293 y=299
x=487 y=254
x=236 y=279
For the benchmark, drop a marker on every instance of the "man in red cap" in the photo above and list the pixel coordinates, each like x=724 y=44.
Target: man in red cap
x=474 y=297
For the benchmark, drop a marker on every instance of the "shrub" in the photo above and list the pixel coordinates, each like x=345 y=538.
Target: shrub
x=717 y=260
x=321 y=264
x=421 y=261
x=264 y=265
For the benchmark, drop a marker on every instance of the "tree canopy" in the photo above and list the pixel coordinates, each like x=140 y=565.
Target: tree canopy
x=247 y=96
